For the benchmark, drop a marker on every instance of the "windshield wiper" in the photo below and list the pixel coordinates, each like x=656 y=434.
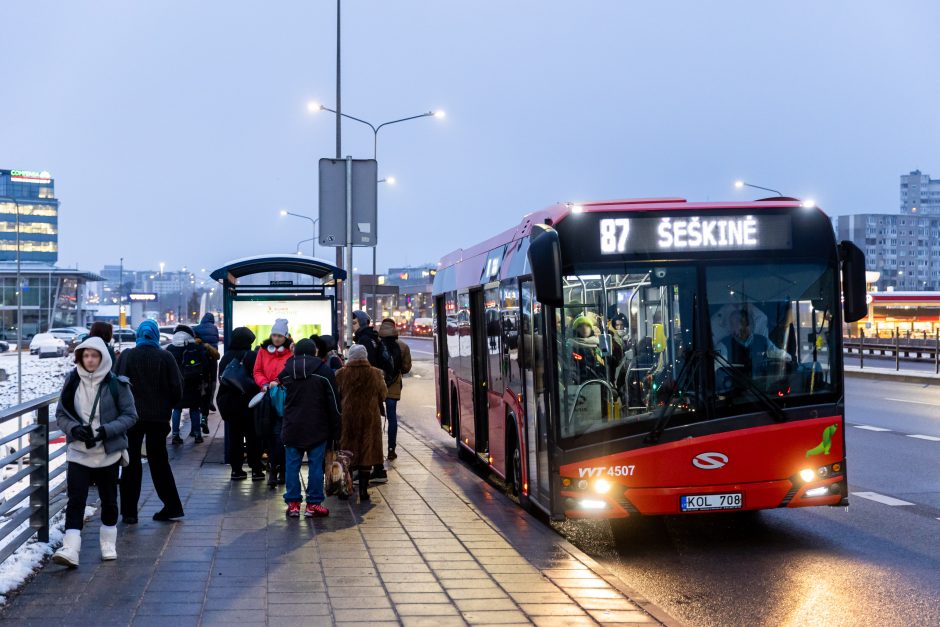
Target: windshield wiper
x=745 y=382
x=668 y=409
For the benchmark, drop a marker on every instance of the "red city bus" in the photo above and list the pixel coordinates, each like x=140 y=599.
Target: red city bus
x=652 y=356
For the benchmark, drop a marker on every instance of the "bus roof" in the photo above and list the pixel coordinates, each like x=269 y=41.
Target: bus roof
x=556 y=213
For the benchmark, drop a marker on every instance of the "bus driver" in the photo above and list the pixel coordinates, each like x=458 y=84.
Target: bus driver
x=748 y=349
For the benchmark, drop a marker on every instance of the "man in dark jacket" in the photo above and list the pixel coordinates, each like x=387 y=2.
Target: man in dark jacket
x=208 y=334
x=311 y=423
x=195 y=369
x=157 y=387
x=233 y=406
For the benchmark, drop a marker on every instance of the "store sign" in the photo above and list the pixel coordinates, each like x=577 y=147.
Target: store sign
x=142 y=296
x=694 y=234
x=28 y=176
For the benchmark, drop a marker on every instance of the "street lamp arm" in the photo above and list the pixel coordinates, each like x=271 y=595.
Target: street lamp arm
x=412 y=117
x=351 y=117
x=766 y=189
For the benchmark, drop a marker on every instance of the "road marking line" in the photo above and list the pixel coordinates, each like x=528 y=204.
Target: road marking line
x=881 y=498
x=904 y=400
x=932 y=438
x=867 y=428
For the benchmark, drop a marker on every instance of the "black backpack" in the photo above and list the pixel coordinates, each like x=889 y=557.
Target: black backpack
x=191 y=366
x=389 y=361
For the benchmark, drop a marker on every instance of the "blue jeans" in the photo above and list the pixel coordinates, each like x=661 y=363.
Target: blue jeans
x=293 y=457
x=391 y=412
x=195 y=421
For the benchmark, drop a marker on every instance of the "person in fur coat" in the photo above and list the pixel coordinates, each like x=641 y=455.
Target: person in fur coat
x=362 y=390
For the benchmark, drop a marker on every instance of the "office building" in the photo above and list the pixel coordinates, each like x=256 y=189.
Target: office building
x=29 y=197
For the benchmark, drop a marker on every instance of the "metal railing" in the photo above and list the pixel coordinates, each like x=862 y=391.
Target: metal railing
x=33 y=463
x=910 y=348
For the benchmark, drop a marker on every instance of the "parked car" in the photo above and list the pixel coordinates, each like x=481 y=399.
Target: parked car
x=4 y=346
x=124 y=336
x=46 y=343
x=78 y=339
x=422 y=327
x=166 y=339
x=64 y=333
x=168 y=330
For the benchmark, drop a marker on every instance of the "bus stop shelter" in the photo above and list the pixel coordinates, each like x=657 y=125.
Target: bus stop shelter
x=258 y=290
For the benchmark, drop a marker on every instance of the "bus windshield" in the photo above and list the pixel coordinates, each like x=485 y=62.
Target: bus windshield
x=638 y=344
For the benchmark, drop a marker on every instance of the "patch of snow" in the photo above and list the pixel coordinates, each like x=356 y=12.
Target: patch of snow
x=28 y=558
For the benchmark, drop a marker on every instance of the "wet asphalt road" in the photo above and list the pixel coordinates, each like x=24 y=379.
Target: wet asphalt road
x=875 y=563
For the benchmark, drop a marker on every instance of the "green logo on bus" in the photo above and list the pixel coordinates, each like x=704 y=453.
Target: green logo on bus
x=823 y=447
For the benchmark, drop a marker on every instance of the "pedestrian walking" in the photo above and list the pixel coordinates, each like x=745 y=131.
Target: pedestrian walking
x=326 y=350
x=362 y=390
x=272 y=355
x=364 y=334
x=207 y=333
x=401 y=357
x=193 y=363
x=95 y=411
x=158 y=387
x=233 y=406
x=105 y=331
x=311 y=424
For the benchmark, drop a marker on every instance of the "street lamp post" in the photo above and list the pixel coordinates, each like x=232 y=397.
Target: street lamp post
x=313 y=107
x=313 y=225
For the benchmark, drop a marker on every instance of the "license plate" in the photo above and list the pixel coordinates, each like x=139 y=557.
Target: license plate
x=706 y=502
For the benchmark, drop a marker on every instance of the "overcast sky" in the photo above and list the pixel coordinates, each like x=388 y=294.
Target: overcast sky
x=176 y=130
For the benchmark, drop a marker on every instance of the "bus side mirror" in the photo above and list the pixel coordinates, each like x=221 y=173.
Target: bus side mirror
x=545 y=260
x=854 y=293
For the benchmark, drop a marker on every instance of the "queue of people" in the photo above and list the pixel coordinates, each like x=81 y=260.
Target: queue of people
x=281 y=402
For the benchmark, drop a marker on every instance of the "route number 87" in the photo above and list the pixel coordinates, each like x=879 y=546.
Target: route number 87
x=614 y=233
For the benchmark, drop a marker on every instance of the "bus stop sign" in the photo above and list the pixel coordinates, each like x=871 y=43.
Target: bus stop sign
x=333 y=202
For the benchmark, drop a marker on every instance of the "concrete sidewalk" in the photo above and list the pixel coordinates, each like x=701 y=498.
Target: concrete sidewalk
x=436 y=546
x=890 y=374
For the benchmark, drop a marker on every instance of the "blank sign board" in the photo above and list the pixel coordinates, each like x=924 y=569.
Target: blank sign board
x=333 y=202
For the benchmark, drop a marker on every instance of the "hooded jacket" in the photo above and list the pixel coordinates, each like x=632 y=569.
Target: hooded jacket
x=232 y=405
x=311 y=410
x=388 y=333
x=156 y=380
x=370 y=339
x=184 y=344
x=75 y=404
x=270 y=361
x=207 y=331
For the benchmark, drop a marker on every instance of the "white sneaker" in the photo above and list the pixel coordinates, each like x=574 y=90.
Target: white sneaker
x=67 y=555
x=108 y=539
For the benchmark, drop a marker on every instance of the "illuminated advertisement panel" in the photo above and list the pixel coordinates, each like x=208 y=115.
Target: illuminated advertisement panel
x=304 y=317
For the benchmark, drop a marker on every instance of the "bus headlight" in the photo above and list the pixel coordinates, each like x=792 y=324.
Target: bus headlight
x=592 y=504
x=820 y=491
x=807 y=474
x=602 y=486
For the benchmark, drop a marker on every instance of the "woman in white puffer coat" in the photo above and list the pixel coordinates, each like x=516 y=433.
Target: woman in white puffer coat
x=96 y=408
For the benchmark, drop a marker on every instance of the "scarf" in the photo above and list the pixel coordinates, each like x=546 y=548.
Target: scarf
x=148 y=334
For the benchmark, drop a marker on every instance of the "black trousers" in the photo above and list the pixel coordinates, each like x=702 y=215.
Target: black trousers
x=241 y=438
x=78 y=478
x=160 y=471
x=207 y=400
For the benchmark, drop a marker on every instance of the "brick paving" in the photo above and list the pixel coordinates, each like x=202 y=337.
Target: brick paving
x=436 y=546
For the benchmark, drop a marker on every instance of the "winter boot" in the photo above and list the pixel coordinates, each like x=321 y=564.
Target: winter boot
x=364 y=474
x=108 y=539
x=272 y=476
x=67 y=555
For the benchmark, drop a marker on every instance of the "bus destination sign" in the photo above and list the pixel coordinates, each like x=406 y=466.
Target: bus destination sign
x=694 y=234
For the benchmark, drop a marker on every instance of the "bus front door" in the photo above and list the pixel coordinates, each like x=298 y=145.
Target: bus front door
x=441 y=363
x=479 y=353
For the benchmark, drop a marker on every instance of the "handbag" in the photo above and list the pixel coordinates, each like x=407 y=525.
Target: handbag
x=236 y=375
x=336 y=473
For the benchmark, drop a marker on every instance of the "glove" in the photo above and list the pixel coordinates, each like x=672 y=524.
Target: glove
x=101 y=435
x=83 y=433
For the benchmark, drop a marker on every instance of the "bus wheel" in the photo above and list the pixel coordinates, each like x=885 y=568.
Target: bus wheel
x=516 y=481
